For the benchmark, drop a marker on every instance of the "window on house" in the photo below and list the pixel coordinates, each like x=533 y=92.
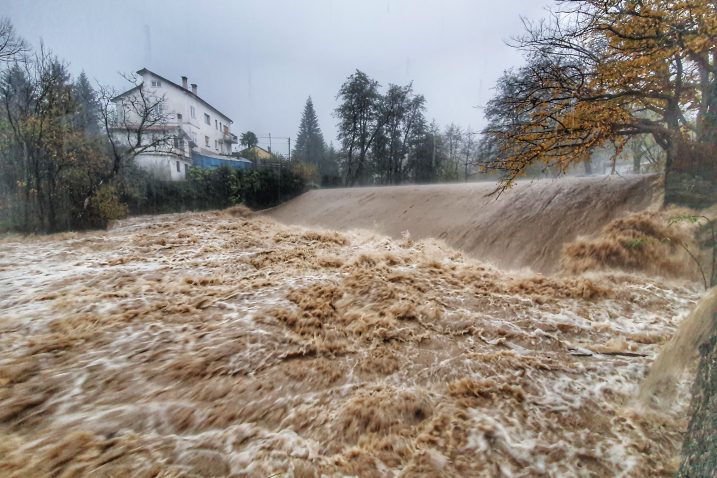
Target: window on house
x=206 y=141
x=178 y=167
x=216 y=145
x=193 y=112
x=179 y=116
x=186 y=168
x=216 y=124
x=207 y=119
x=156 y=83
x=179 y=143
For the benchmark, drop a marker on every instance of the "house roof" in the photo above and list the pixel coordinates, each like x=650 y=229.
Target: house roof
x=258 y=148
x=208 y=154
x=188 y=92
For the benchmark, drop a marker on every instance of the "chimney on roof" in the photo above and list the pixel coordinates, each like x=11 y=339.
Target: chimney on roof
x=194 y=88
x=184 y=83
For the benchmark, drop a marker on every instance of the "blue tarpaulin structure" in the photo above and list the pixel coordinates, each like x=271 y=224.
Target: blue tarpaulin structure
x=207 y=161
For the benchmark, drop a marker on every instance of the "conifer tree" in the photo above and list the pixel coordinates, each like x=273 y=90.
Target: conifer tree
x=88 y=108
x=310 y=146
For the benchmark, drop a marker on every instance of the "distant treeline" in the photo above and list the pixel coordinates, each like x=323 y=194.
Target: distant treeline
x=384 y=138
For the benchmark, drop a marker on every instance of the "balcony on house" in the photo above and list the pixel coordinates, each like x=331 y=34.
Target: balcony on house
x=228 y=137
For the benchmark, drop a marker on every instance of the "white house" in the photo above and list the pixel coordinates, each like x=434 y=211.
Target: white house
x=196 y=132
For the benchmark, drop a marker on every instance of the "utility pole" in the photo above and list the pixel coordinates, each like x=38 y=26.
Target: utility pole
x=270 y=137
x=469 y=133
x=433 y=156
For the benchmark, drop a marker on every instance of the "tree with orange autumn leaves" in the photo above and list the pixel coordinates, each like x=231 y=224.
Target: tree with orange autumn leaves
x=602 y=71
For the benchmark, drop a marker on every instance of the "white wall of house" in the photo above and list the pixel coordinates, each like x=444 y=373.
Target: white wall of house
x=207 y=127
x=204 y=124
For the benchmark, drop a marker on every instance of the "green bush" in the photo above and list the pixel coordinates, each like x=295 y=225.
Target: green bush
x=135 y=191
x=211 y=189
x=105 y=206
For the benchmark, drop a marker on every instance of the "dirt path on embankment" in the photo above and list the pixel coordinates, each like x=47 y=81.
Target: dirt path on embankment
x=524 y=227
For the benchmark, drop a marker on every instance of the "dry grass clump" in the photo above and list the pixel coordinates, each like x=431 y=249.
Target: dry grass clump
x=641 y=242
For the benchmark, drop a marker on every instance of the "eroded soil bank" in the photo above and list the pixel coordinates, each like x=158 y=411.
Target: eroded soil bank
x=214 y=345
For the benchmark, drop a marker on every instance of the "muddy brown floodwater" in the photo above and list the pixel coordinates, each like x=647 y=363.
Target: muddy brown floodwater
x=525 y=227
x=209 y=344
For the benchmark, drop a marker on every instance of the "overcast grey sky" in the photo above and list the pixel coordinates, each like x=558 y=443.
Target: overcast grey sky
x=258 y=60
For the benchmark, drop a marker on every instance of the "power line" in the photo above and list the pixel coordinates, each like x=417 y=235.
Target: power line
x=270 y=137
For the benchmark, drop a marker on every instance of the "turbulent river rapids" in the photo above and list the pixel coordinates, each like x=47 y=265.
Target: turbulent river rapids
x=231 y=344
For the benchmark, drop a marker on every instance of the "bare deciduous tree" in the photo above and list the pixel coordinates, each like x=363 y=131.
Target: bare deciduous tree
x=11 y=45
x=135 y=122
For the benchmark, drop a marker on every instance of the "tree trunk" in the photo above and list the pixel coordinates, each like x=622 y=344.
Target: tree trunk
x=588 y=167
x=51 y=202
x=699 y=450
x=26 y=173
x=691 y=174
